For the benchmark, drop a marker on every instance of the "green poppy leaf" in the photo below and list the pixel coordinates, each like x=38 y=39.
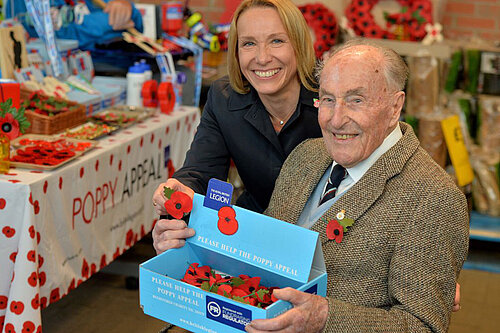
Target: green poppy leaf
x=205 y=286
x=167 y=191
x=236 y=281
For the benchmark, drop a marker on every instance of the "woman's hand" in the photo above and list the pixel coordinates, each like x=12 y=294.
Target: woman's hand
x=169 y=234
x=159 y=198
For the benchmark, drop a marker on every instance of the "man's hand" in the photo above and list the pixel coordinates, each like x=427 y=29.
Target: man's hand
x=120 y=12
x=309 y=314
x=456 y=301
x=169 y=234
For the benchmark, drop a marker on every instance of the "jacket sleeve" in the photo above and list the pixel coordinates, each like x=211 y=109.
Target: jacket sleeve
x=422 y=272
x=208 y=156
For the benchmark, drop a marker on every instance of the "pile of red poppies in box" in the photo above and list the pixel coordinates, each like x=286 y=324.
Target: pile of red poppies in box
x=243 y=288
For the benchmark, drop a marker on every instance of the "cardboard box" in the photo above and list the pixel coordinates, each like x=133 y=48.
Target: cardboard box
x=111 y=94
x=282 y=254
x=116 y=82
x=93 y=103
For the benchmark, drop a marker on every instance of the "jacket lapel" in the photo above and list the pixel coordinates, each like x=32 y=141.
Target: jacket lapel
x=258 y=118
x=255 y=114
x=301 y=182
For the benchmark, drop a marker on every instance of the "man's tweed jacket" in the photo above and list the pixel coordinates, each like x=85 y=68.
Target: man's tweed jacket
x=396 y=267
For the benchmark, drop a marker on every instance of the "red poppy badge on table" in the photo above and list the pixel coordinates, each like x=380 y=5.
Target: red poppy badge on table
x=178 y=203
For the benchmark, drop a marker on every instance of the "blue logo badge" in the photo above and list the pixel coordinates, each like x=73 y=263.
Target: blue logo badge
x=227 y=313
x=219 y=194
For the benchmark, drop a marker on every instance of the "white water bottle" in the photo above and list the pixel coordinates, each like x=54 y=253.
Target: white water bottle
x=135 y=79
x=147 y=70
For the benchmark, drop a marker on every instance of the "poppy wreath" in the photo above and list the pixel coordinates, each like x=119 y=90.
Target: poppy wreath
x=323 y=23
x=178 y=203
x=243 y=288
x=13 y=122
x=412 y=18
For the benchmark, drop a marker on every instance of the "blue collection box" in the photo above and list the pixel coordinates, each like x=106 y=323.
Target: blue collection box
x=282 y=254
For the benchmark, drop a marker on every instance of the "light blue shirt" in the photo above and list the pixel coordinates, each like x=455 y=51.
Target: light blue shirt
x=312 y=212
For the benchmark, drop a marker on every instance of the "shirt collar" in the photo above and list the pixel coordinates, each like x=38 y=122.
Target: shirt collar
x=357 y=171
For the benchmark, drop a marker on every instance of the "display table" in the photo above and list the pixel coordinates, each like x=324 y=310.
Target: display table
x=59 y=227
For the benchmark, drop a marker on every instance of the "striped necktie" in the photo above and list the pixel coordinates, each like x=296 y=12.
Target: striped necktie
x=336 y=176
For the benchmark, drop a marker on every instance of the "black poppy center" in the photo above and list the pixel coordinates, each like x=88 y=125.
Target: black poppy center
x=6 y=127
x=251 y=289
x=336 y=232
x=227 y=219
x=178 y=205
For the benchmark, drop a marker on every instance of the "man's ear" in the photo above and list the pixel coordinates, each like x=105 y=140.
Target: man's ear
x=397 y=105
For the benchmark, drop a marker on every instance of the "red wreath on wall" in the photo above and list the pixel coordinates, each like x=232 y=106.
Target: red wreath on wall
x=324 y=25
x=408 y=24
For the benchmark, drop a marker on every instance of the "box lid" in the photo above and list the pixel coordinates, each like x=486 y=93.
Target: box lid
x=259 y=240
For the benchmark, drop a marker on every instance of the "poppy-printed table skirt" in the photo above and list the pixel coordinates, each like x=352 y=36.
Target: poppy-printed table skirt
x=59 y=227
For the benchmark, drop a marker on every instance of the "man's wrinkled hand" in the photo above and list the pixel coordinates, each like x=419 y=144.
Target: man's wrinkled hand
x=308 y=315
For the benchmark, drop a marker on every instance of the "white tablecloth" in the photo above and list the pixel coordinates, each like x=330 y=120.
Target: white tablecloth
x=59 y=227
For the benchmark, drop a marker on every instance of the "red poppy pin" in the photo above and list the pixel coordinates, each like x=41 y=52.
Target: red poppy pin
x=227 y=223
x=178 y=203
x=335 y=229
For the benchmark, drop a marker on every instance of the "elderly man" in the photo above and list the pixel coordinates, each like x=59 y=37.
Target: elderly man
x=393 y=267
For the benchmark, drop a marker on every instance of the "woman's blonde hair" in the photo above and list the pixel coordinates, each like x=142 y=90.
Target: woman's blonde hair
x=298 y=32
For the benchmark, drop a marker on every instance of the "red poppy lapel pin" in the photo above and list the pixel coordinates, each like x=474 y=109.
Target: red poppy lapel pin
x=335 y=228
x=178 y=203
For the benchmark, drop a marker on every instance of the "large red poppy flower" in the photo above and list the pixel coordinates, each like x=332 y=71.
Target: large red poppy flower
x=178 y=204
x=9 y=126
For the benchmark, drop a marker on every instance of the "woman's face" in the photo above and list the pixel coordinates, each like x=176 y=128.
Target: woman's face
x=266 y=56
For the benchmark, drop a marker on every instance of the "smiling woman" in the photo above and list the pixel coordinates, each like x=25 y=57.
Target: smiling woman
x=258 y=114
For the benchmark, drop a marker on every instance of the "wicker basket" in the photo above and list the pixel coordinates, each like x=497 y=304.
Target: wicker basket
x=41 y=124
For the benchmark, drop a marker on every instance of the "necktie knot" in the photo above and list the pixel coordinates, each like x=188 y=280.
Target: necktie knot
x=336 y=176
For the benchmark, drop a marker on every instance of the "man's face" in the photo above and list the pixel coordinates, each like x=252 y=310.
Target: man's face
x=266 y=55
x=357 y=108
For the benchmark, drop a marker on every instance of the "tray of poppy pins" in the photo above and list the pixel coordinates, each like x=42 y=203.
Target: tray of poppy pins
x=122 y=116
x=89 y=131
x=45 y=152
